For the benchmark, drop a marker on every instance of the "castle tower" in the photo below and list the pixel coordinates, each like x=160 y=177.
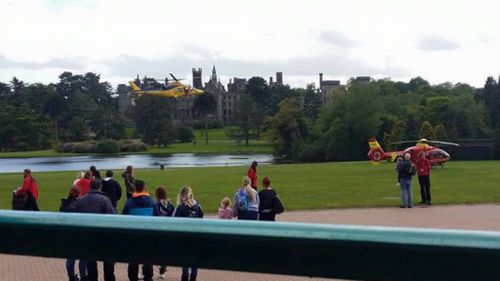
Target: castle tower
x=197 y=82
x=214 y=74
x=279 y=78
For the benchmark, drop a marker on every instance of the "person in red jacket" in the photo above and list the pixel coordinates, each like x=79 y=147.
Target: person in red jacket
x=424 y=170
x=29 y=190
x=83 y=184
x=252 y=174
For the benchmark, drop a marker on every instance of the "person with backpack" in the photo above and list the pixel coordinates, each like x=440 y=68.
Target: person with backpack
x=246 y=202
x=270 y=204
x=187 y=207
x=424 y=170
x=29 y=191
x=164 y=208
x=406 y=170
x=141 y=204
x=68 y=205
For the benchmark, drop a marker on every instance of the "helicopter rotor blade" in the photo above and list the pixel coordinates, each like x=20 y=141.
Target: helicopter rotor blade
x=444 y=143
x=173 y=76
x=427 y=141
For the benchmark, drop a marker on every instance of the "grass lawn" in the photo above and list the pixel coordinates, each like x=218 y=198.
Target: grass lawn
x=301 y=186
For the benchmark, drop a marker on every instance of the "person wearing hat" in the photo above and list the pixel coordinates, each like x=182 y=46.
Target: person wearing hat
x=29 y=191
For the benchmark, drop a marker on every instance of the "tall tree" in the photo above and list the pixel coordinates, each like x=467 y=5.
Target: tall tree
x=245 y=116
x=427 y=131
x=204 y=106
x=153 y=120
x=288 y=129
x=312 y=102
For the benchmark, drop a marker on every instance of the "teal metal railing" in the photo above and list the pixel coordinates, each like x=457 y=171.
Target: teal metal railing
x=336 y=251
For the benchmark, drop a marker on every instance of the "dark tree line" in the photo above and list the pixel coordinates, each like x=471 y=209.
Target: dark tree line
x=38 y=116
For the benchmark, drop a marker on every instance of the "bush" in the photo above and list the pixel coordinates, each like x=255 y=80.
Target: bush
x=77 y=147
x=104 y=146
x=132 y=146
x=184 y=134
x=108 y=146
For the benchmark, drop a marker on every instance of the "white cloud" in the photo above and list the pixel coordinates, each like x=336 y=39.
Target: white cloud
x=300 y=38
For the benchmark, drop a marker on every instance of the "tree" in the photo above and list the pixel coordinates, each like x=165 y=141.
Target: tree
x=398 y=133
x=245 y=116
x=288 y=129
x=153 y=121
x=204 y=105
x=427 y=131
x=440 y=132
x=312 y=102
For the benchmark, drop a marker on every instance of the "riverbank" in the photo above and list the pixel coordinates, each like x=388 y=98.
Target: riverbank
x=301 y=186
x=214 y=146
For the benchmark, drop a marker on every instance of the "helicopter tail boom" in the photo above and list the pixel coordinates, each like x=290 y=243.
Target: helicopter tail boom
x=134 y=86
x=376 y=153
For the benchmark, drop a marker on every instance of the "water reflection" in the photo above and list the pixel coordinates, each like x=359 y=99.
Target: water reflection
x=76 y=163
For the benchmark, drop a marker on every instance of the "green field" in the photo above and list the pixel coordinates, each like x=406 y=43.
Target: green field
x=301 y=186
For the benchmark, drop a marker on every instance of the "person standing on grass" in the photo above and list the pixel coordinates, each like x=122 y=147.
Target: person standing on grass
x=141 y=204
x=128 y=177
x=406 y=170
x=95 y=173
x=270 y=204
x=187 y=207
x=252 y=174
x=68 y=205
x=84 y=183
x=96 y=202
x=424 y=171
x=246 y=202
x=112 y=189
x=163 y=208
x=29 y=191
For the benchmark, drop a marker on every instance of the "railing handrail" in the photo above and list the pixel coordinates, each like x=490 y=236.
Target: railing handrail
x=337 y=251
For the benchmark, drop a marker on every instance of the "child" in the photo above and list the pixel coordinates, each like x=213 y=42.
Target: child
x=68 y=205
x=163 y=208
x=225 y=212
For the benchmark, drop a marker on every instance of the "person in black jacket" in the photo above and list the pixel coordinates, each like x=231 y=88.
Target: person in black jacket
x=164 y=208
x=187 y=207
x=68 y=205
x=96 y=202
x=112 y=189
x=270 y=204
x=95 y=173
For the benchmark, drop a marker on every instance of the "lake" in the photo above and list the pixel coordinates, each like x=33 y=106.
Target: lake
x=80 y=163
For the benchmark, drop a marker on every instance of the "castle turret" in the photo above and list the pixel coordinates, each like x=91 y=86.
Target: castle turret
x=214 y=74
x=197 y=82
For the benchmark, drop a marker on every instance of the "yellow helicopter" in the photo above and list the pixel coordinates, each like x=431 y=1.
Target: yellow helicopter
x=172 y=89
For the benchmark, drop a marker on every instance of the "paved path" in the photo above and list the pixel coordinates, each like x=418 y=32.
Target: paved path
x=474 y=217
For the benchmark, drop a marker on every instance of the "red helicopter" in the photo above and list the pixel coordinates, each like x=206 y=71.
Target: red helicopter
x=435 y=155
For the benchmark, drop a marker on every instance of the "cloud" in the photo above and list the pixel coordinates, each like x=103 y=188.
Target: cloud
x=436 y=44
x=333 y=64
x=336 y=38
x=63 y=63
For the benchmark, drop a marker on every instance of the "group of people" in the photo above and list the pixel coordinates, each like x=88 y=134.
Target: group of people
x=90 y=193
x=406 y=169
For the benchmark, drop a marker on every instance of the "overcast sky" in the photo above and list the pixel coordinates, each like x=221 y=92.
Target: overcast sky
x=455 y=41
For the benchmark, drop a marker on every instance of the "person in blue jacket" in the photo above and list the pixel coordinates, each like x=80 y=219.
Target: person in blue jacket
x=140 y=204
x=187 y=207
